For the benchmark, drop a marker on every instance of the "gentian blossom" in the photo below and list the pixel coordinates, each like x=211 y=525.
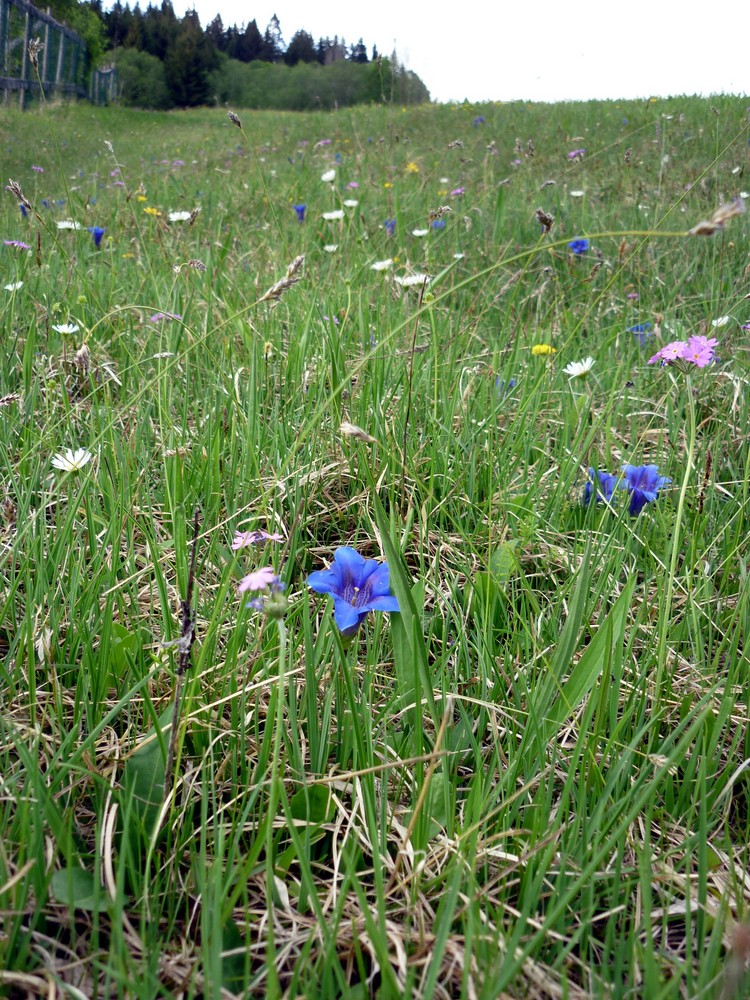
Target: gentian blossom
x=300 y=210
x=438 y=223
x=578 y=246
x=603 y=489
x=97 y=232
x=643 y=482
x=390 y=227
x=642 y=331
x=479 y=120
x=357 y=585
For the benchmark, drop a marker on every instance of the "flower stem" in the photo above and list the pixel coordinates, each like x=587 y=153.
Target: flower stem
x=666 y=612
x=274 y=987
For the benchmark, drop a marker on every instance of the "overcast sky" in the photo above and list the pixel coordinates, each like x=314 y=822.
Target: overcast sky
x=542 y=50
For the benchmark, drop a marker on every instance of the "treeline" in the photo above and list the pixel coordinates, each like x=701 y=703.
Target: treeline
x=165 y=62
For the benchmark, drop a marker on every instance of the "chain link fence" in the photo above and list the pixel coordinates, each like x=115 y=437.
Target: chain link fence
x=62 y=64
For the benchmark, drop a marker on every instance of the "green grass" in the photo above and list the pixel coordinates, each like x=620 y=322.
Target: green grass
x=531 y=782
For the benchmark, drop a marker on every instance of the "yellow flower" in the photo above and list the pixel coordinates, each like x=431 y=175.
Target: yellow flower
x=141 y=197
x=151 y=211
x=412 y=168
x=543 y=349
x=387 y=184
x=128 y=256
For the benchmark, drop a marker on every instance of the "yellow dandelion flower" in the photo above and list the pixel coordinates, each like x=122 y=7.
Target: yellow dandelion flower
x=539 y=349
x=149 y=210
x=387 y=184
x=412 y=167
x=141 y=197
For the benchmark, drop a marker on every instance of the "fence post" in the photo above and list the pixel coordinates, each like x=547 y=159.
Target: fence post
x=24 y=64
x=60 y=58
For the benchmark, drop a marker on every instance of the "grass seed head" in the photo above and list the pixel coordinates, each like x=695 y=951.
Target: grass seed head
x=15 y=189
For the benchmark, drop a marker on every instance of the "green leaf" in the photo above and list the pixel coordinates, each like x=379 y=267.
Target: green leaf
x=145 y=773
x=75 y=888
x=311 y=805
x=123 y=645
x=233 y=967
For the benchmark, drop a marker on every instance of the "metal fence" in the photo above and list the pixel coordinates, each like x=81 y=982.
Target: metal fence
x=62 y=64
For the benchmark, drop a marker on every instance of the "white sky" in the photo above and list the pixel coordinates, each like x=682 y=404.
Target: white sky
x=542 y=50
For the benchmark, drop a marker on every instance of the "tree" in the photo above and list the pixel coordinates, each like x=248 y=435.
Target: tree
x=358 y=52
x=188 y=62
x=301 y=49
x=273 y=43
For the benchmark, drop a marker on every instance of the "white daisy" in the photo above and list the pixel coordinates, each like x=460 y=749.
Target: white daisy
x=577 y=194
x=66 y=327
x=13 y=286
x=334 y=216
x=419 y=232
x=68 y=224
x=579 y=369
x=351 y=203
x=721 y=321
x=72 y=461
x=410 y=280
x=329 y=176
x=331 y=247
x=459 y=256
x=381 y=265
x=179 y=216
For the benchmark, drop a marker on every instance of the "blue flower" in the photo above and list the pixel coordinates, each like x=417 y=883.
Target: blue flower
x=604 y=488
x=578 y=246
x=503 y=388
x=390 y=227
x=642 y=332
x=438 y=223
x=97 y=232
x=479 y=120
x=357 y=585
x=24 y=213
x=644 y=483
x=300 y=210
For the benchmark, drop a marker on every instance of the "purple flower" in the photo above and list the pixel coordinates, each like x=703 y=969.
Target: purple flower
x=698 y=351
x=643 y=483
x=158 y=317
x=352 y=185
x=97 y=232
x=178 y=163
x=300 y=210
x=36 y=169
x=260 y=579
x=576 y=154
x=390 y=227
x=579 y=246
x=243 y=538
x=357 y=585
x=457 y=192
x=503 y=388
x=605 y=487
x=479 y=120
x=18 y=244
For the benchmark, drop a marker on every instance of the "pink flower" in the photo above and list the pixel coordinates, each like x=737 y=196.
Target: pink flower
x=259 y=580
x=457 y=192
x=700 y=350
x=243 y=538
x=671 y=352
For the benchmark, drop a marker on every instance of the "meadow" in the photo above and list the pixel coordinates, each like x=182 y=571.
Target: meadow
x=233 y=351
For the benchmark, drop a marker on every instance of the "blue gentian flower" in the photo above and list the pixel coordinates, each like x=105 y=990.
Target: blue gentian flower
x=605 y=487
x=642 y=332
x=644 y=483
x=97 y=232
x=300 y=210
x=24 y=213
x=46 y=203
x=479 y=120
x=438 y=223
x=390 y=227
x=578 y=246
x=357 y=585
x=503 y=388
